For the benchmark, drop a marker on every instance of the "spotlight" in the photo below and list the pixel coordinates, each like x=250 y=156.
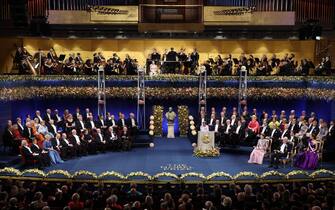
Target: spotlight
x=318 y=38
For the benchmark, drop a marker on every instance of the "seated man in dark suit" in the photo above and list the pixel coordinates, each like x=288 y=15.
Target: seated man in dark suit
x=100 y=123
x=80 y=124
x=30 y=156
x=227 y=131
x=57 y=145
x=217 y=128
x=132 y=125
x=87 y=139
x=44 y=155
x=100 y=141
x=8 y=137
x=238 y=133
x=68 y=147
x=28 y=132
x=121 y=122
x=112 y=139
x=282 y=152
x=77 y=144
x=126 y=140
x=52 y=128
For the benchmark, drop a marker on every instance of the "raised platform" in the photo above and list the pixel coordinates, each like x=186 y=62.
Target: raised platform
x=173 y=160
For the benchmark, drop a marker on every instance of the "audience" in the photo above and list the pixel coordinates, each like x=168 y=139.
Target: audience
x=75 y=195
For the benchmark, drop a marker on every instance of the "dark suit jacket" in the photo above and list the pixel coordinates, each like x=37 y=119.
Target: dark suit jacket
x=35 y=149
x=26 y=133
x=119 y=123
x=79 y=127
x=315 y=131
x=98 y=123
x=7 y=137
x=26 y=153
x=128 y=123
x=295 y=128
x=266 y=132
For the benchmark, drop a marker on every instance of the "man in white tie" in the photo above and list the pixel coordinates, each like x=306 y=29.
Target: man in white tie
x=68 y=147
x=76 y=142
x=100 y=141
x=280 y=153
x=80 y=125
x=29 y=156
x=132 y=125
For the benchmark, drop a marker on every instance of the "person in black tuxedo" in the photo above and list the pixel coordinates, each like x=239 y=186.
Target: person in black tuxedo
x=58 y=119
x=121 y=122
x=226 y=135
x=294 y=126
x=90 y=124
x=80 y=148
x=314 y=128
x=281 y=152
x=111 y=120
x=30 y=156
x=172 y=57
x=155 y=56
x=211 y=121
x=285 y=132
x=20 y=126
x=52 y=128
x=44 y=155
x=68 y=147
x=57 y=145
x=28 y=132
x=47 y=117
x=112 y=139
x=126 y=140
x=265 y=129
x=275 y=134
x=100 y=141
x=217 y=128
x=100 y=123
x=238 y=133
x=87 y=139
x=8 y=138
x=80 y=124
x=194 y=60
x=132 y=125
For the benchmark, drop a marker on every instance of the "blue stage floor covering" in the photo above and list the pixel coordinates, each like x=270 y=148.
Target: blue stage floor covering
x=175 y=156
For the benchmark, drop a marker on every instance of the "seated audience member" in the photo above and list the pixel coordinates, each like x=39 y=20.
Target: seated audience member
x=226 y=134
x=44 y=154
x=87 y=139
x=238 y=133
x=75 y=203
x=53 y=154
x=30 y=156
x=52 y=128
x=217 y=128
x=132 y=124
x=77 y=144
x=204 y=127
x=281 y=153
x=100 y=141
x=67 y=146
x=253 y=129
x=80 y=124
x=259 y=151
x=308 y=159
x=112 y=139
x=100 y=123
x=125 y=138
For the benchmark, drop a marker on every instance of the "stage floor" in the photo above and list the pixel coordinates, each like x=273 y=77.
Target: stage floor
x=175 y=156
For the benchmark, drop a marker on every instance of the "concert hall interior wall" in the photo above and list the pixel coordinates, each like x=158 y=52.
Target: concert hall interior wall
x=141 y=48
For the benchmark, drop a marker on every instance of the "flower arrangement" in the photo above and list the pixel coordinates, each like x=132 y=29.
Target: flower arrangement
x=192 y=125
x=246 y=174
x=61 y=172
x=183 y=119
x=192 y=174
x=7 y=170
x=111 y=174
x=218 y=174
x=296 y=173
x=20 y=93
x=272 y=173
x=166 y=77
x=84 y=173
x=214 y=152
x=165 y=174
x=321 y=171
x=158 y=116
x=139 y=173
x=33 y=171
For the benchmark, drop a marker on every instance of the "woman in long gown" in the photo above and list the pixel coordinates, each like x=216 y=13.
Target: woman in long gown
x=308 y=159
x=259 y=151
x=54 y=155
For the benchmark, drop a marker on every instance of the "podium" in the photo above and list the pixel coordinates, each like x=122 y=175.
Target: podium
x=206 y=140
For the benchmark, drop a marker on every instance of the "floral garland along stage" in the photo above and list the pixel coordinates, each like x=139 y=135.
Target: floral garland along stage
x=20 y=93
x=167 y=77
x=296 y=174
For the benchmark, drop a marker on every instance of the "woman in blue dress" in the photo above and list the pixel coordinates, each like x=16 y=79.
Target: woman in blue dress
x=54 y=155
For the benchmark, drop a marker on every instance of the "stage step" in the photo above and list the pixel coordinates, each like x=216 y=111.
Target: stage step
x=142 y=139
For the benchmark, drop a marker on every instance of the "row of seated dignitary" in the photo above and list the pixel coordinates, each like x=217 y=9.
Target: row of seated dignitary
x=232 y=128
x=73 y=135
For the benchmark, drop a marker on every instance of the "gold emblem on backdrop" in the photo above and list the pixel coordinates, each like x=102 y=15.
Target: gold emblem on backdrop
x=205 y=139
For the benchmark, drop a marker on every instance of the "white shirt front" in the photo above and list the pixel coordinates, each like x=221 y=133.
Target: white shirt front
x=282 y=148
x=100 y=137
x=264 y=129
x=227 y=129
x=330 y=128
x=283 y=134
x=238 y=129
x=92 y=124
x=77 y=139
x=133 y=123
x=216 y=128
x=28 y=148
x=273 y=132
x=204 y=128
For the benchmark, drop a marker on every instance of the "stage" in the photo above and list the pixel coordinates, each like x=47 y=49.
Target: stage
x=171 y=155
